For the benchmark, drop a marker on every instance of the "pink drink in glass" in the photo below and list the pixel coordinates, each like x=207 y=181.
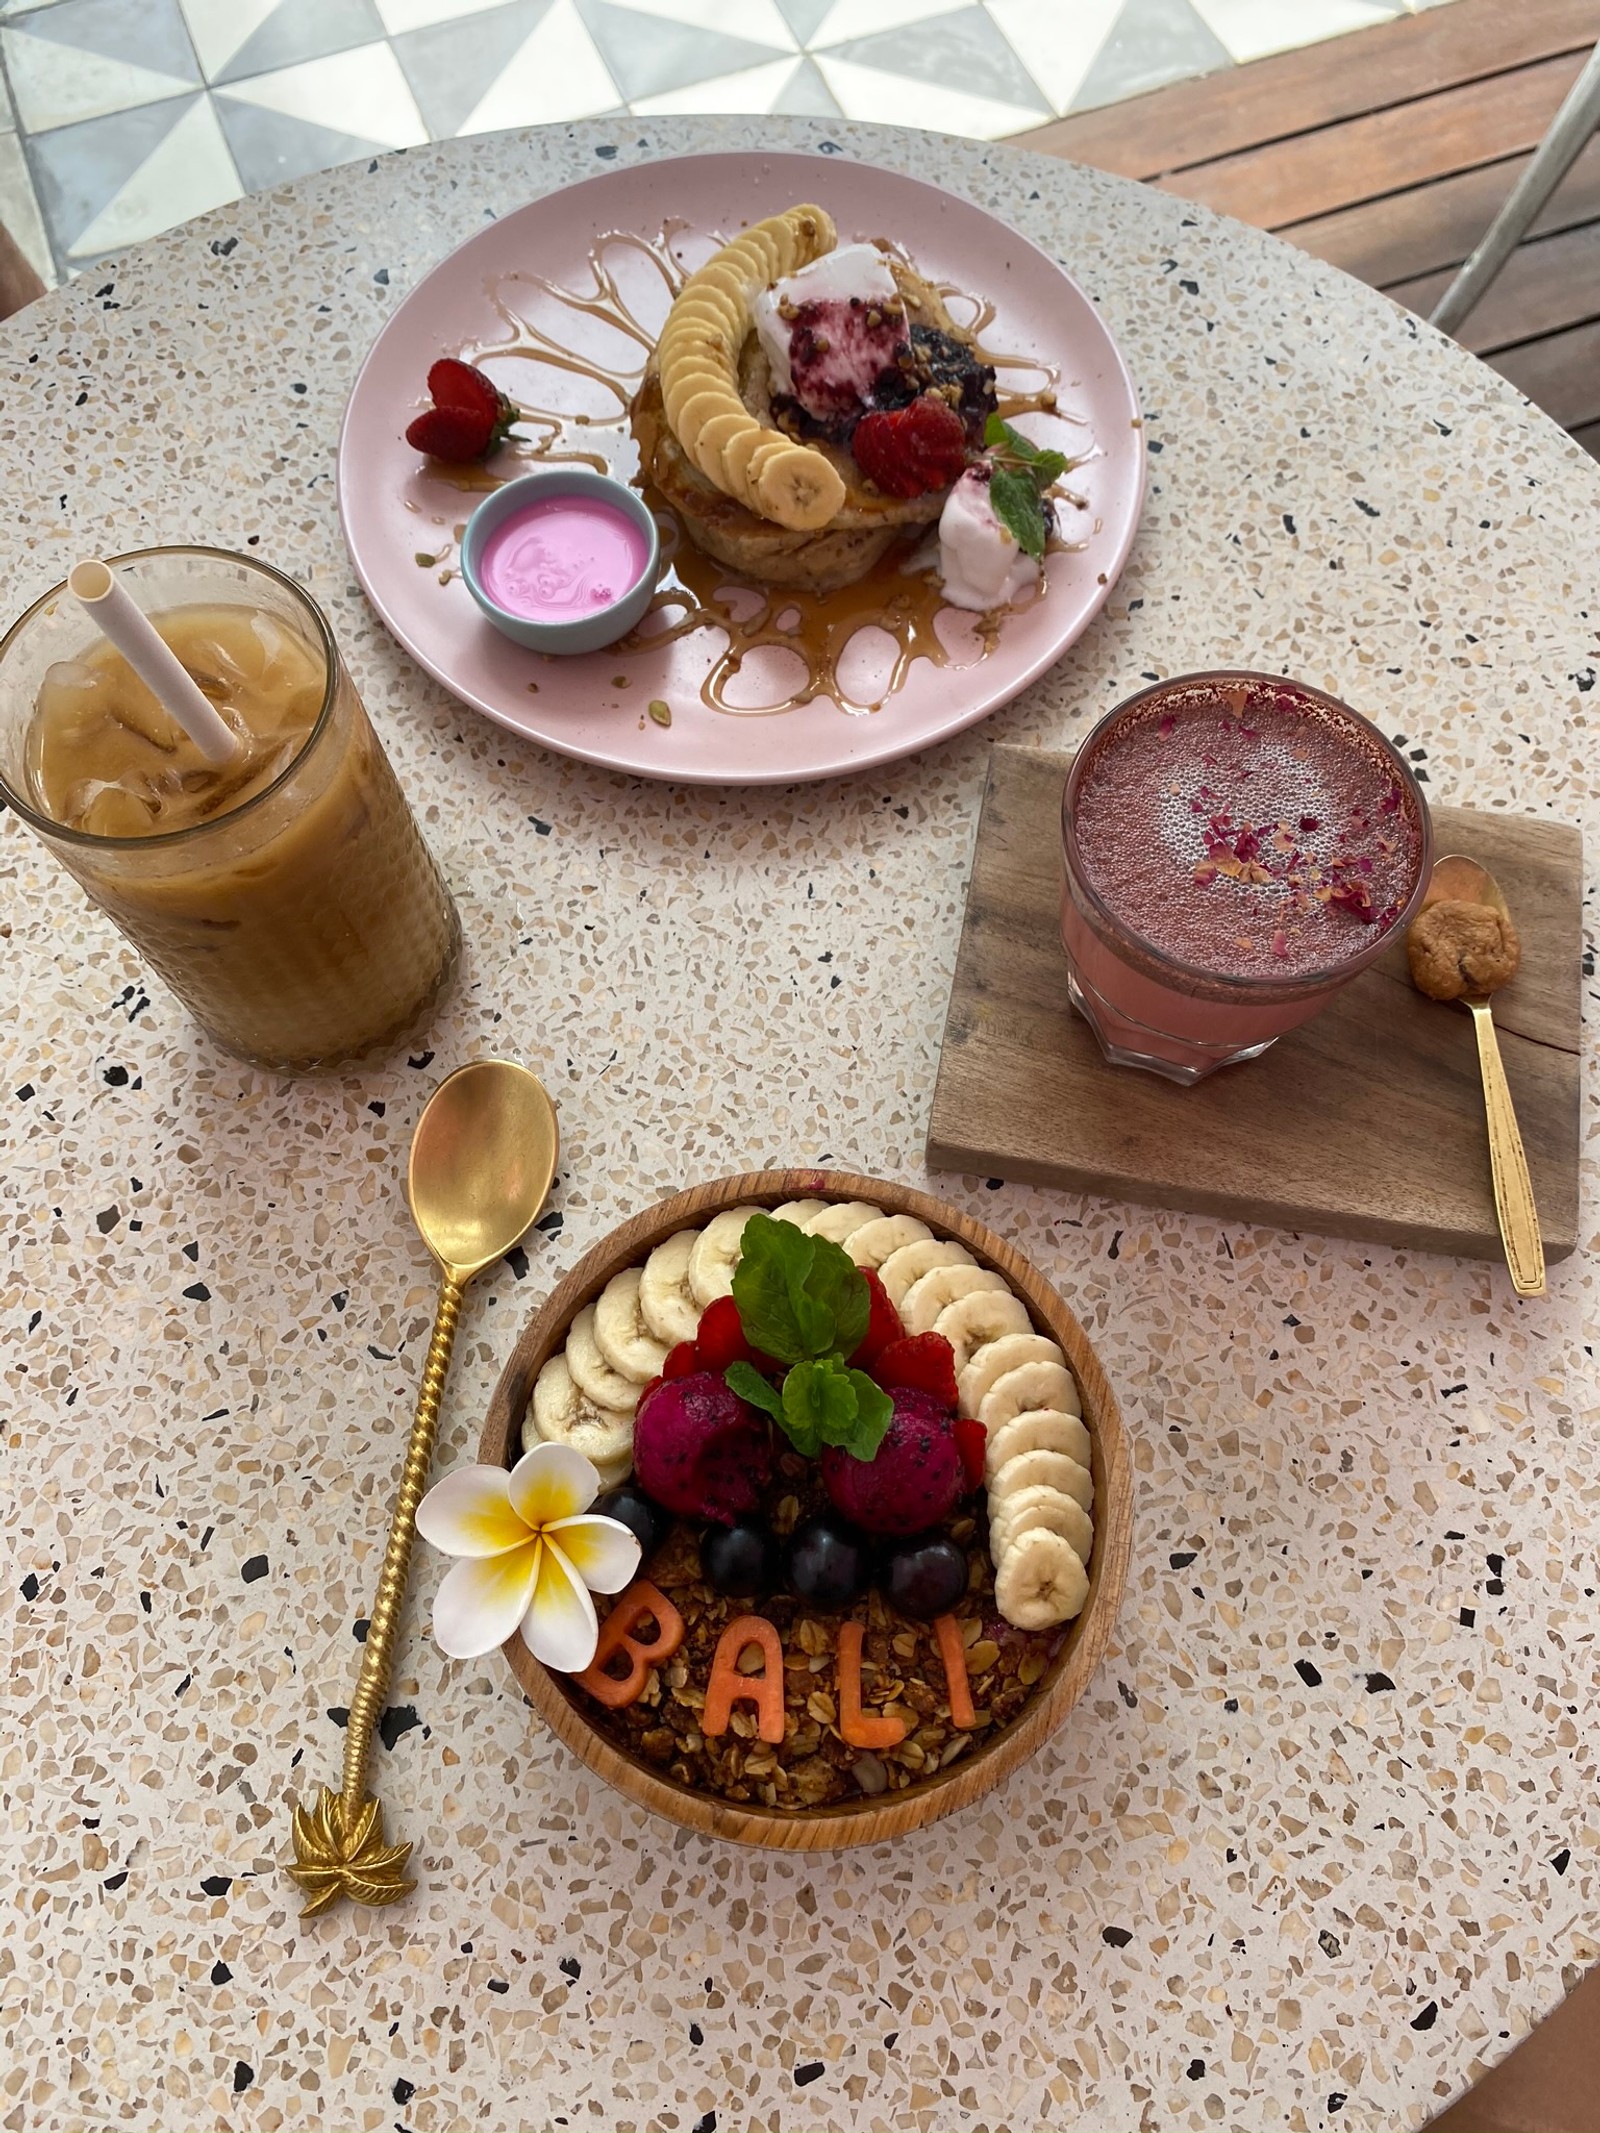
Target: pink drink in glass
x=1237 y=847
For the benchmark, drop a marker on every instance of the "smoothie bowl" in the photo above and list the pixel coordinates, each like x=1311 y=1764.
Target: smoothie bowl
x=843 y=1625
x=1237 y=848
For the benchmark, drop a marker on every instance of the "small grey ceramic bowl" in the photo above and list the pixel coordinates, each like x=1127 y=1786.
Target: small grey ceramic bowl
x=585 y=633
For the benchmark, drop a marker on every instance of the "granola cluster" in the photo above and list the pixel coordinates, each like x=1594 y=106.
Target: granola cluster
x=902 y=1675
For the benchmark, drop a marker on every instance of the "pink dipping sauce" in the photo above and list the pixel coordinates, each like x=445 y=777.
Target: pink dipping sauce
x=562 y=558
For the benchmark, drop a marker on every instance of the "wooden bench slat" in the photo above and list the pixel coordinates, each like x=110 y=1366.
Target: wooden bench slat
x=1168 y=130
x=1385 y=241
x=1544 y=287
x=1365 y=157
x=1561 y=374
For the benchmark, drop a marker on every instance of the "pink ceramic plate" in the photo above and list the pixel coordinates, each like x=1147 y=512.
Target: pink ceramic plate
x=401 y=515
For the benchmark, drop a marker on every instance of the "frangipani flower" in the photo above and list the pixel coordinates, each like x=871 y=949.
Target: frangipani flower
x=531 y=1553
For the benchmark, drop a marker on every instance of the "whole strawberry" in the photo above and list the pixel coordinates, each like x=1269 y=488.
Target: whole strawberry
x=470 y=417
x=910 y=451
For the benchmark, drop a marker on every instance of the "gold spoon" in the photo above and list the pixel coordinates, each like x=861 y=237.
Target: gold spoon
x=1463 y=881
x=482 y=1159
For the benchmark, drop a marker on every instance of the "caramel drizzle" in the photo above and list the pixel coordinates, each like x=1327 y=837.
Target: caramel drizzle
x=695 y=592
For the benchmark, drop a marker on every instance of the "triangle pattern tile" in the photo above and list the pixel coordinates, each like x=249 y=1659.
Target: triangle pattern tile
x=61 y=85
x=751 y=89
x=557 y=75
x=270 y=146
x=217 y=28
x=1057 y=45
x=402 y=15
x=1153 y=42
x=452 y=66
x=647 y=54
x=186 y=174
x=1252 y=28
x=303 y=29
x=79 y=169
x=963 y=51
x=361 y=94
x=19 y=209
x=759 y=20
x=881 y=98
x=803 y=16
x=141 y=33
x=867 y=18
x=807 y=95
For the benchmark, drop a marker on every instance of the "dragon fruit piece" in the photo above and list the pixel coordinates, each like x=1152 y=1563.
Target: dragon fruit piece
x=914 y=1478
x=699 y=1450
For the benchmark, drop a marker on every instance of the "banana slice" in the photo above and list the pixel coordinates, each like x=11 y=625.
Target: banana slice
x=559 y=1414
x=612 y=1472
x=620 y=1332
x=665 y=1304
x=698 y=359
x=939 y=1288
x=1037 y=1429
x=912 y=1261
x=979 y=1318
x=842 y=1219
x=1030 y=1385
x=1041 y=1580
x=871 y=1244
x=591 y=1373
x=992 y=1362
x=1042 y=1470
x=1019 y=1514
x=800 y=1213
x=717 y=1253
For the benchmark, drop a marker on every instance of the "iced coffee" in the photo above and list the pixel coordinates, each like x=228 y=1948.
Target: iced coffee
x=286 y=895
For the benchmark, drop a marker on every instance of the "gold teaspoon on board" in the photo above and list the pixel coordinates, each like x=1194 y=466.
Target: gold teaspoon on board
x=1463 y=946
x=482 y=1160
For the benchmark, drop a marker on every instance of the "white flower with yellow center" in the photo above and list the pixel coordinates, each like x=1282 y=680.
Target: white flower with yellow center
x=531 y=1552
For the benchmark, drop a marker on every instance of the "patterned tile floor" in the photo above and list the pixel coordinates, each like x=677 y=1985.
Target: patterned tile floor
x=119 y=118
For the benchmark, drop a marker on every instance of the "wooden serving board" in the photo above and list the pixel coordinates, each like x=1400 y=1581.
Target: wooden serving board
x=1365 y=1122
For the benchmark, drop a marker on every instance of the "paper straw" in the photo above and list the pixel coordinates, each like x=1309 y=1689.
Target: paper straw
x=120 y=619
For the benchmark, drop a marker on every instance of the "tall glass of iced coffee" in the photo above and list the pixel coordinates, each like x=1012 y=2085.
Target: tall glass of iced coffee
x=286 y=896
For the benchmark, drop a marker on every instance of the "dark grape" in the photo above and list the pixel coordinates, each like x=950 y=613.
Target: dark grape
x=739 y=1560
x=643 y=1517
x=925 y=1577
x=830 y=1563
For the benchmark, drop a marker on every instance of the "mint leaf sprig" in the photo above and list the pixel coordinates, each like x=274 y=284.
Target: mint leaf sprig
x=804 y=1301
x=1023 y=471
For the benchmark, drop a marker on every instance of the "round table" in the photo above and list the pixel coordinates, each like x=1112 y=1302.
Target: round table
x=1225 y=1894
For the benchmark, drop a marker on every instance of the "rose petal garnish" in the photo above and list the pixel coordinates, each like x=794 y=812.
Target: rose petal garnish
x=470 y=1513
x=560 y=1627
x=601 y=1550
x=550 y=1482
x=483 y=1598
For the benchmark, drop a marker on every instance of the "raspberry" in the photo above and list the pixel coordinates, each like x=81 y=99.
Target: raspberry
x=924 y=1362
x=972 y=1442
x=719 y=1339
x=883 y=1325
x=909 y=451
x=680 y=1361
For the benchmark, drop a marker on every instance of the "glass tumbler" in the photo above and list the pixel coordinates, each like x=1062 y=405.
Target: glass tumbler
x=304 y=924
x=1184 y=1018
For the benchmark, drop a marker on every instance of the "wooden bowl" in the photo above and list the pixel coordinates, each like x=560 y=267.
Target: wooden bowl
x=870 y=1820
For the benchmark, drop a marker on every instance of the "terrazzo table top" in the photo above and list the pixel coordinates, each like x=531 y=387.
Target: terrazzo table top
x=1322 y=1838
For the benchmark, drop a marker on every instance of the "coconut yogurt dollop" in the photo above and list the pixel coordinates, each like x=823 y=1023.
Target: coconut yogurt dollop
x=980 y=562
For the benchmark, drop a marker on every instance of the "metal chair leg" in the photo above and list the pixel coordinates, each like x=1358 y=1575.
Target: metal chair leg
x=1571 y=127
